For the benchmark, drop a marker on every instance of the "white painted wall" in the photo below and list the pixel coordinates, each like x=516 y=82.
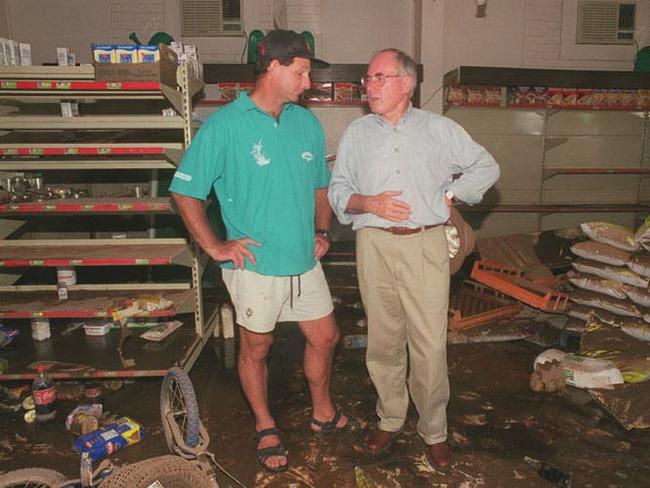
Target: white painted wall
x=354 y=29
x=515 y=33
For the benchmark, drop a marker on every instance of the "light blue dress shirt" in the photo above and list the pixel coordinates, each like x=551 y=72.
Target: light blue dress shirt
x=419 y=156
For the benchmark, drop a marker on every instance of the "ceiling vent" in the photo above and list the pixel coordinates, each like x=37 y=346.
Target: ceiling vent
x=606 y=22
x=211 y=18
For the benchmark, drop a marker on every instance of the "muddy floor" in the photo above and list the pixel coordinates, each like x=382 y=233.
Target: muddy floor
x=494 y=422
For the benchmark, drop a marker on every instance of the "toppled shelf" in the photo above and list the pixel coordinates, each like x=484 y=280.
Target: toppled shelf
x=86 y=304
x=96 y=356
x=84 y=72
x=45 y=122
x=483 y=75
x=85 y=164
x=21 y=86
x=94 y=252
x=555 y=208
x=147 y=205
x=550 y=172
x=118 y=149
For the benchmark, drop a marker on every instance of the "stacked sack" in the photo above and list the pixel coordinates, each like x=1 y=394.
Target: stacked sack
x=611 y=276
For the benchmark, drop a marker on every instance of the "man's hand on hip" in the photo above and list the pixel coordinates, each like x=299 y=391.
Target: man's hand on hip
x=236 y=251
x=386 y=206
x=321 y=246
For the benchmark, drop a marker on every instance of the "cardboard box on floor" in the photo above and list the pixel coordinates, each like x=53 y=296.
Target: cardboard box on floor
x=163 y=71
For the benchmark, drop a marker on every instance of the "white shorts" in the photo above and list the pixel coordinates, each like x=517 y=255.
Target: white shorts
x=261 y=301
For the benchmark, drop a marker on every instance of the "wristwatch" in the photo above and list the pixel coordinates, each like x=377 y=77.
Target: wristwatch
x=325 y=234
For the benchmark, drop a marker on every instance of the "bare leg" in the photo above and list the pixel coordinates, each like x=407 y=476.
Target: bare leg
x=322 y=336
x=253 y=375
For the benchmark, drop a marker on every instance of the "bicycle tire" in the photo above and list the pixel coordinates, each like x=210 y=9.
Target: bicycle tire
x=32 y=478
x=178 y=398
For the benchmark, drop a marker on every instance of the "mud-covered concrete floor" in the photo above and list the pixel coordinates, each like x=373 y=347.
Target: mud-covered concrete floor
x=494 y=421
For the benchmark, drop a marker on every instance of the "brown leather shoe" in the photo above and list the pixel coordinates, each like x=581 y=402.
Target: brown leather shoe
x=378 y=441
x=439 y=455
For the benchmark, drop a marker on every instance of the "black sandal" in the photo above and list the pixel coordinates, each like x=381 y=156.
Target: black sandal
x=264 y=453
x=330 y=427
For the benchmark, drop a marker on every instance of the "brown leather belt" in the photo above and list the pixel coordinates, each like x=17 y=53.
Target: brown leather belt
x=405 y=231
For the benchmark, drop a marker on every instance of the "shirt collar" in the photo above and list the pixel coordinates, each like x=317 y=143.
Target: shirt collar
x=245 y=104
x=403 y=120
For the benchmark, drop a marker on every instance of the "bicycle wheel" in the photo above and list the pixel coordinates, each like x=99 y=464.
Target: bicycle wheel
x=178 y=405
x=31 y=478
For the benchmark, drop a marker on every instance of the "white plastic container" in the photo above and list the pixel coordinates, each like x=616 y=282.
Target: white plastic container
x=66 y=275
x=97 y=329
x=41 y=329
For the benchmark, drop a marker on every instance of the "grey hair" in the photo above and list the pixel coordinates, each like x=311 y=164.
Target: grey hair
x=406 y=64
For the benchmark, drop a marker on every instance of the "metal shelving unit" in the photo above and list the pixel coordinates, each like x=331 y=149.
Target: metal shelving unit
x=100 y=143
x=564 y=164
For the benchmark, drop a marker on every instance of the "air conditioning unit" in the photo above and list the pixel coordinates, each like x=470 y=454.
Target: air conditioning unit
x=210 y=18
x=606 y=22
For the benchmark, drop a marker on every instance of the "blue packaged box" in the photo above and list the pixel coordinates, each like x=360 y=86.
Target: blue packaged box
x=110 y=438
x=125 y=54
x=103 y=53
x=149 y=54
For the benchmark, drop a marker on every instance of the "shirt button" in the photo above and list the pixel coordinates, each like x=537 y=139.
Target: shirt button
x=398 y=171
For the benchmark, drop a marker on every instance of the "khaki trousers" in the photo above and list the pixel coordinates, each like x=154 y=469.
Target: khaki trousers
x=404 y=285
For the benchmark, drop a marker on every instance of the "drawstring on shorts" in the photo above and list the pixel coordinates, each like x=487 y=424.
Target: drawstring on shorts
x=291 y=289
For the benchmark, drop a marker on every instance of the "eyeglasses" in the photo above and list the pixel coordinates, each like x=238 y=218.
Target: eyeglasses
x=379 y=78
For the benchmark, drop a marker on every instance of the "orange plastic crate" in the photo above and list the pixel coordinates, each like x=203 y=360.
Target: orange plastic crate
x=476 y=305
x=510 y=281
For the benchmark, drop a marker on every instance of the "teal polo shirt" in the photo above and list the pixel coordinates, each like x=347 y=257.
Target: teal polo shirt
x=264 y=172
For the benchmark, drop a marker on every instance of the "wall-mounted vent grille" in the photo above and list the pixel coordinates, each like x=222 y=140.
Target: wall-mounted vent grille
x=211 y=18
x=606 y=22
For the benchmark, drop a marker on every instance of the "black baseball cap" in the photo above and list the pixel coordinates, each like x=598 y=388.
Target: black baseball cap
x=280 y=43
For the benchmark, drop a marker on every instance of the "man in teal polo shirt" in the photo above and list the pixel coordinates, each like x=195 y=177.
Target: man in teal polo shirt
x=265 y=158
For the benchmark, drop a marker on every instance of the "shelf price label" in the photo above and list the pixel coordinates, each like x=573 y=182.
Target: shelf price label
x=116 y=85
x=63 y=85
x=141 y=261
x=36 y=262
x=12 y=85
x=71 y=150
x=103 y=150
x=10 y=151
x=44 y=85
x=35 y=151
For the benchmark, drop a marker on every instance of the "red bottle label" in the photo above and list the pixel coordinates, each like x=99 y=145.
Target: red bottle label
x=46 y=396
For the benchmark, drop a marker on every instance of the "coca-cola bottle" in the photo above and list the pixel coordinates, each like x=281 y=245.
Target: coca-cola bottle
x=44 y=392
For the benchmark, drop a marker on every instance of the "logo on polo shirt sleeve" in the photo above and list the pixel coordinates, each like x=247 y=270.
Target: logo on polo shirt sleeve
x=258 y=153
x=182 y=176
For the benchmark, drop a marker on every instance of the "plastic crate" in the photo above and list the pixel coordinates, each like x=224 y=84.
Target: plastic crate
x=510 y=281
x=475 y=305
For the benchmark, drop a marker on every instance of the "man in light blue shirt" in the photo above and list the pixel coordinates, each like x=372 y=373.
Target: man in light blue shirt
x=395 y=180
